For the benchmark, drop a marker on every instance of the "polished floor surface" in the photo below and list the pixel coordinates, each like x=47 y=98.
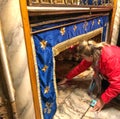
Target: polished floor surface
x=74 y=102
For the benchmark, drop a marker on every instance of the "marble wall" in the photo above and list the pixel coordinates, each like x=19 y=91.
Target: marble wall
x=12 y=27
x=116 y=26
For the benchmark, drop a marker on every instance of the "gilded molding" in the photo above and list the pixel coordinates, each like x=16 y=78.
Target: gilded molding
x=75 y=40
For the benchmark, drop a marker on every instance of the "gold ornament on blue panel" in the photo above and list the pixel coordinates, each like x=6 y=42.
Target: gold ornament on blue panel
x=95 y=2
x=62 y=31
x=75 y=27
x=47 y=109
x=105 y=24
x=85 y=25
x=46 y=89
x=93 y=22
x=99 y=22
x=45 y=68
x=43 y=44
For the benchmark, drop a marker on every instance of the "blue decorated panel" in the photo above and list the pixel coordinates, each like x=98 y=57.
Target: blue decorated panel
x=45 y=41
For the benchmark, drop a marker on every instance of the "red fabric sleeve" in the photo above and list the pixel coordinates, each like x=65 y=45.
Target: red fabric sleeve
x=112 y=67
x=82 y=66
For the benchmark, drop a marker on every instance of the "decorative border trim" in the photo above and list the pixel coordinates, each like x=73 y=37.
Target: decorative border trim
x=56 y=50
x=37 y=76
x=75 y=40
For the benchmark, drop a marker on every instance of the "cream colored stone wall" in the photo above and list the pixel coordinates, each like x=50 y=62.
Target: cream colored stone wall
x=12 y=28
x=116 y=26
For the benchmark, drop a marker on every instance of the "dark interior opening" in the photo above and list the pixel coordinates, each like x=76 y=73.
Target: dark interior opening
x=65 y=61
x=68 y=59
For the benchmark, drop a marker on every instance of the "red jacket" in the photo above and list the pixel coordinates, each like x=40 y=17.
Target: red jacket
x=109 y=66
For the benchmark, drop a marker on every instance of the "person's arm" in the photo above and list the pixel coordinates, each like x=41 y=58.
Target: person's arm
x=82 y=66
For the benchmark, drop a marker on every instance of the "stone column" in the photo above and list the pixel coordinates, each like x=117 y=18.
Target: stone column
x=116 y=26
x=16 y=52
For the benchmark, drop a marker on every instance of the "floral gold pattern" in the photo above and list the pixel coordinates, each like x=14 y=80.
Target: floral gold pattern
x=45 y=68
x=75 y=27
x=47 y=109
x=62 y=31
x=46 y=89
x=43 y=44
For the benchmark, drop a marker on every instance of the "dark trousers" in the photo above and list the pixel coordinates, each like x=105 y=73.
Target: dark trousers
x=105 y=84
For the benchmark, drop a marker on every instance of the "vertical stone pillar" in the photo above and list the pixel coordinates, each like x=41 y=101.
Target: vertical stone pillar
x=16 y=52
x=116 y=26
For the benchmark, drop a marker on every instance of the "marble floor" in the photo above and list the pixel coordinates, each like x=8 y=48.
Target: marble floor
x=74 y=102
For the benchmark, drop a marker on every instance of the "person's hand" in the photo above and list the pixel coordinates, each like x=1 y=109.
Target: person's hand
x=98 y=106
x=63 y=81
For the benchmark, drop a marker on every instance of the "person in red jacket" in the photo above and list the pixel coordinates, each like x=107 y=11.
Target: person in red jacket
x=105 y=60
